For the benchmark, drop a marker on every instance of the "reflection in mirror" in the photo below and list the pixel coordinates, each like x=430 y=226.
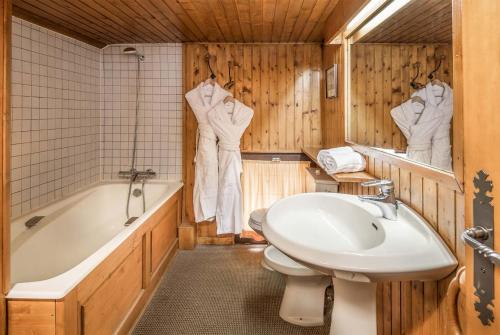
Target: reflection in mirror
x=400 y=97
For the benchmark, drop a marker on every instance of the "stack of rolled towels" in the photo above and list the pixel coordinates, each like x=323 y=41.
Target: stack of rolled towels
x=341 y=159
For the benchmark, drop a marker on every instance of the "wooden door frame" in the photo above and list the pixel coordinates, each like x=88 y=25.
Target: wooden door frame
x=5 y=54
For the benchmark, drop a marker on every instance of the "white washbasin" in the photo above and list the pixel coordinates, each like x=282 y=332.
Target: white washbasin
x=340 y=235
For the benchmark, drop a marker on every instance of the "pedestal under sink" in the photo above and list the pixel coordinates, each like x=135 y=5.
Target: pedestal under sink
x=339 y=235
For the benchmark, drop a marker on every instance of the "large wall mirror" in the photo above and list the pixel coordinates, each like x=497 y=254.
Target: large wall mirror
x=400 y=80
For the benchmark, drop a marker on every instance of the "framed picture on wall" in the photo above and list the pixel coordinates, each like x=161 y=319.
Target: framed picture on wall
x=331 y=82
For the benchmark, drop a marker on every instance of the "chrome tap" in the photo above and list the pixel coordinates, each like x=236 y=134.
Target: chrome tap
x=385 y=200
x=134 y=174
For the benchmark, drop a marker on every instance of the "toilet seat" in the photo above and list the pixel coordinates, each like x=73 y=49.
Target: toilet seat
x=255 y=220
x=284 y=264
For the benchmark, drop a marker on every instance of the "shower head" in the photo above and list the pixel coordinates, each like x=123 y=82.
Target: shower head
x=133 y=51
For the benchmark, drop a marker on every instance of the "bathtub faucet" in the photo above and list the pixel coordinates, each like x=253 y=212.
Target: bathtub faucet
x=134 y=174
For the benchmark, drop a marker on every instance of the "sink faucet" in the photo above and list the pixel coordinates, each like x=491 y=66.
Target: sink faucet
x=385 y=200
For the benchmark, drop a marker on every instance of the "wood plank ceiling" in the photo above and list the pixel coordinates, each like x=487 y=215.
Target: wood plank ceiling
x=102 y=22
x=420 y=21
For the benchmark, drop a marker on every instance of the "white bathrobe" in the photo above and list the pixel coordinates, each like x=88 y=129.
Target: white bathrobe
x=418 y=129
x=202 y=99
x=229 y=121
x=440 y=103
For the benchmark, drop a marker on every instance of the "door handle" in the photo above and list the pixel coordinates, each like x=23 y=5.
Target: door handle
x=473 y=237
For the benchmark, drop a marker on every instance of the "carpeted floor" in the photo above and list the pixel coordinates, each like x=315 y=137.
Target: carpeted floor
x=219 y=291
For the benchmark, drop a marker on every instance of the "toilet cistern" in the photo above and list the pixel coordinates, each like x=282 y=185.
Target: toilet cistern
x=385 y=200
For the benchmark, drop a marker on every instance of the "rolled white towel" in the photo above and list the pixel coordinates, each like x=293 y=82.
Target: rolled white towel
x=344 y=159
x=325 y=157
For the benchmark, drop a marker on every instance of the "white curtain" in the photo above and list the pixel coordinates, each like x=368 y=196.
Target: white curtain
x=264 y=182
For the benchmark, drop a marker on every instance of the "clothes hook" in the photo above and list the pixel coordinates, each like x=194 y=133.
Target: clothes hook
x=431 y=75
x=230 y=82
x=207 y=58
x=414 y=84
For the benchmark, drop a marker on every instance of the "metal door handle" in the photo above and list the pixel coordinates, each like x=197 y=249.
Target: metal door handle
x=473 y=237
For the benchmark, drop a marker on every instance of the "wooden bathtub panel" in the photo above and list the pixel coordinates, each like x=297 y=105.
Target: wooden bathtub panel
x=162 y=237
x=111 y=297
x=107 y=307
x=31 y=317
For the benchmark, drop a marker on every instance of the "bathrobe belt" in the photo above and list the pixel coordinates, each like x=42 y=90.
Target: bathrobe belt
x=204 y=131
x=229 y=146
x=419 y=146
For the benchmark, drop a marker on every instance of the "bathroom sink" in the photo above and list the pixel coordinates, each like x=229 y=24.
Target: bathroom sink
x=338 y=232
x=349 y=239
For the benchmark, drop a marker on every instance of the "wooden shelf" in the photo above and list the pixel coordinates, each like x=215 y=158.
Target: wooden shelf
x=353 y=177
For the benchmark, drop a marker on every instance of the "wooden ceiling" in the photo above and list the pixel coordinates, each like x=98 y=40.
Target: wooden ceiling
x=102 y=22
x=420 y=21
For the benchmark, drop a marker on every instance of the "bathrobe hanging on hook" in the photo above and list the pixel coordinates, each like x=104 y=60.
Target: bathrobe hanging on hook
x=439 y=101
x=419 y=126
x=202 y=99
x=229 y=121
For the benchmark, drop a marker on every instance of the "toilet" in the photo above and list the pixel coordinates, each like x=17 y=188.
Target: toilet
x=303 y=301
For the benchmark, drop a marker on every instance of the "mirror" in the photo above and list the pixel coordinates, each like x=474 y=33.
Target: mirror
x=400 y=79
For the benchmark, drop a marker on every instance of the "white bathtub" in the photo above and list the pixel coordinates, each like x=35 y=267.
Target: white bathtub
x=77 y=234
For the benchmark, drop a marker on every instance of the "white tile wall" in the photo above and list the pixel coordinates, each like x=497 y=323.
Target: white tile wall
x=55 y=116
x=73 y=114
x=160 y=112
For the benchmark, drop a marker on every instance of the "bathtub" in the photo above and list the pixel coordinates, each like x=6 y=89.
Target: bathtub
x=75 y=236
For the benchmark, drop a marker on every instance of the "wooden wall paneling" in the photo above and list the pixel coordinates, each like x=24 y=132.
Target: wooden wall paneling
x=378 y=90
x=280 y=82
x=306 y=97
x=264 y=96
x=315 y=111
x=273 y=98
x=299 y=94
x=290 y=100
x=247 y=93
x=396 y=98
x=282 y=105
x=386 y=96
x=332 y=116
x=256 y=96
x=361 y=96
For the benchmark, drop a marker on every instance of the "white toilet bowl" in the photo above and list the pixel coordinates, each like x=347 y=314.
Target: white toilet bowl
x=304 y=298
x=303 y=302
